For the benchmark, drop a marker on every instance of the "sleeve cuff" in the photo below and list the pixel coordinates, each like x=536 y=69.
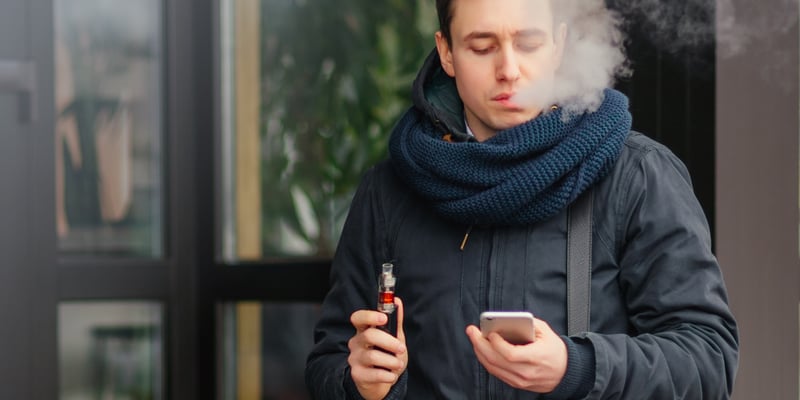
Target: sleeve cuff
x=579 y=378
x=398 y=390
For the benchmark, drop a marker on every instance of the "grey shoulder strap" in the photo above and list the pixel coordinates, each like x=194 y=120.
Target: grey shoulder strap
x=579 y=263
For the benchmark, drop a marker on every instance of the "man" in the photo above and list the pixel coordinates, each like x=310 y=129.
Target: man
x=472 y=211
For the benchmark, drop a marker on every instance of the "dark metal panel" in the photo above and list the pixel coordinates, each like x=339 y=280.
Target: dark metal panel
x=185 y=36
x=27 y=232
x=15 y=275
x=40 y=185
x=135 y=282
x=205 y=33
x=306 y=282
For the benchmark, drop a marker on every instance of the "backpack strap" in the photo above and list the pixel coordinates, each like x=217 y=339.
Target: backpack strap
x=579 y=263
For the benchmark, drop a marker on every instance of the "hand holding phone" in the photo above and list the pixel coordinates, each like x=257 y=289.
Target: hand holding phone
x=516 y=327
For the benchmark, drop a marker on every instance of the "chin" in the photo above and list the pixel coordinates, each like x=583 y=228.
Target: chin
x=512 y=122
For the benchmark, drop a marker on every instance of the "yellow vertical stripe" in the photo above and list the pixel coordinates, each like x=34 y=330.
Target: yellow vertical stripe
x=248 y=119
x=248 y=189
x=248 y=358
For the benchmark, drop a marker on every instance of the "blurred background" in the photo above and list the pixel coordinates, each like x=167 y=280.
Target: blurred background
x=174 y=175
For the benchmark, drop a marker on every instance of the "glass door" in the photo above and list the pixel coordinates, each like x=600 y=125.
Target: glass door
x=96 y=290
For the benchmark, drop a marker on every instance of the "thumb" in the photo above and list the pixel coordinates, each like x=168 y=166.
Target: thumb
x=401 y=335
x=542 y=329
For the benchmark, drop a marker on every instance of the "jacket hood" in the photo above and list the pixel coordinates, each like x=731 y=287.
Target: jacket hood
x=434 y=93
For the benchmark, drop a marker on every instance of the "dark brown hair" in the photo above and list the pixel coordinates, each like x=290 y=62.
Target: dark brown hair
x=445 y=12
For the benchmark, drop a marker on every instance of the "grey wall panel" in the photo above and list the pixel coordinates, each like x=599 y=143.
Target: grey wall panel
x=757 y=193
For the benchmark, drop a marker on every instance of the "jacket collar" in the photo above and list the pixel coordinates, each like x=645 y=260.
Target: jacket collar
x=434 y=93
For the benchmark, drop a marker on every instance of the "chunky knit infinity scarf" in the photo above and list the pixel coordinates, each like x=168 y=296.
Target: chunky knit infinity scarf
x=521 y=175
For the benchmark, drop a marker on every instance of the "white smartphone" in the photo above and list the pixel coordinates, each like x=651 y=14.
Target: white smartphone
x=516 y=327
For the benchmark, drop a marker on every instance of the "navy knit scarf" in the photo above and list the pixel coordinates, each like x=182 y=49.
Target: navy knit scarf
x=520 y=176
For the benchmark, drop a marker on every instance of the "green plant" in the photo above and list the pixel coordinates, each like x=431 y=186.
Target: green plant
x=337 y=75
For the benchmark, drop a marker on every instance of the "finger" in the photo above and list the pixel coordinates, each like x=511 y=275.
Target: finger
x=479 y=343
x=401 y=334
x=483 y=347
x=381 y=339
x=486 y=355
x=365 y=375
x=542 y=328
x=378 y=358
x=473 y=332
x=504 y=349
x=372 y=349
x=476 y=336
x=494 y=363
x=364 y=319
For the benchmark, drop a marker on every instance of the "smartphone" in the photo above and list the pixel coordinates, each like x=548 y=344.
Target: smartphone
x=516 y=327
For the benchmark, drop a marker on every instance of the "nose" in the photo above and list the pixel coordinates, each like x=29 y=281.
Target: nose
x=507 y=68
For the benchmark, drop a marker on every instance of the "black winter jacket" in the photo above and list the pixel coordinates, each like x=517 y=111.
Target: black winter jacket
x=660 y=323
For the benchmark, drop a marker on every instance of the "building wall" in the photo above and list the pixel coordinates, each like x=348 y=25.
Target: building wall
x=757 y=190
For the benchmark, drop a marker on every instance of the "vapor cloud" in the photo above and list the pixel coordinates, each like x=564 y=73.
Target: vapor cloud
x=593 y=58
x=763 y=23
x=595 y=51
x=683 y=26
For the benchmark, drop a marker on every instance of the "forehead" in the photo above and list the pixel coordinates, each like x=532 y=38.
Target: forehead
x=500 y=15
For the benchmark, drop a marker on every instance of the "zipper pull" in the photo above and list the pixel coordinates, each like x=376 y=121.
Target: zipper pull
x=466 y=237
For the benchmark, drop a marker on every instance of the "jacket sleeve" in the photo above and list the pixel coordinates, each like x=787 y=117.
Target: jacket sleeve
x=682 y=341
x=353 y=287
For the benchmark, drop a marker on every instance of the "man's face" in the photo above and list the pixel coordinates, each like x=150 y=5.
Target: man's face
x=503 y=55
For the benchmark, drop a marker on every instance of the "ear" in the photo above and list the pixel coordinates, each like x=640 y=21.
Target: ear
x=560 y=37
x=445 y=54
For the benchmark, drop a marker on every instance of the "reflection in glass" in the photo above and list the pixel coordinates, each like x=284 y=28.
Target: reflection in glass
x=108 y=126
x=110 y=351
x=331 y=79
x=264 y=349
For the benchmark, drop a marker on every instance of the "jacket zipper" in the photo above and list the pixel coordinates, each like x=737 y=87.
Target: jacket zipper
x=491 y=271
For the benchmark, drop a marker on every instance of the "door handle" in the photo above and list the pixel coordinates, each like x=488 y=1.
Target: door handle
x=20 y=77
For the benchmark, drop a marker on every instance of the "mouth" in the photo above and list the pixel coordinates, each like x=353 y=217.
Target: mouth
x=506 y=100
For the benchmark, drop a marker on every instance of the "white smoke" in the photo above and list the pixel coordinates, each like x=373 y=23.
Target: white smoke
x=690 y=30
x=593 y=58
x=764 y=22
x=594 y=54
x=595 y=49
x=681 y=27
x=672 y=26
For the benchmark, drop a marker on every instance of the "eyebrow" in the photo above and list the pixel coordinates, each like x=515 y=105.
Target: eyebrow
x=526 y=33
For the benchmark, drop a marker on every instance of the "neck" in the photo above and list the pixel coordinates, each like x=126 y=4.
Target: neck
x=479 y=136
x=482 y=134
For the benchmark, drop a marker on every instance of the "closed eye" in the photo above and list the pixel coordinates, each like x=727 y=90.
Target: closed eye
x=529 y=47
x=482 y=50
